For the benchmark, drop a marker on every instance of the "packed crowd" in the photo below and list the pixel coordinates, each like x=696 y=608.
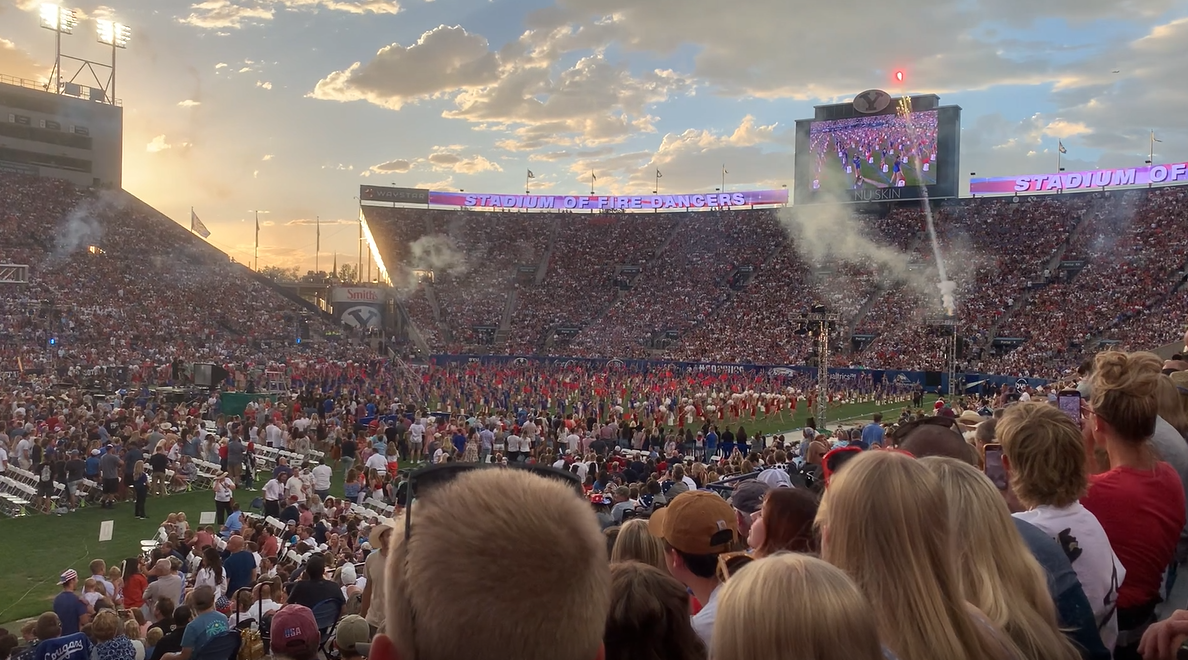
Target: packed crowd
x=1006 y=527
x=112 y=282
x=1004 y=257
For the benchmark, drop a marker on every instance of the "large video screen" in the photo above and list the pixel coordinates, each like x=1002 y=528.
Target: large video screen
x=884 y=151
x=846 y=156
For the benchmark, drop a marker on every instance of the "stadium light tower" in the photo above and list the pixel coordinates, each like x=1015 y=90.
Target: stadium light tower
x=116 y=35
x=61 y=21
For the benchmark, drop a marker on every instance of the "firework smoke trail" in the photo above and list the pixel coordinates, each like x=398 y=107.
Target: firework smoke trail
x=948 y=288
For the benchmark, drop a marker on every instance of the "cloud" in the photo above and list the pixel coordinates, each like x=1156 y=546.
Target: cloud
x=221 y=14
x=443 y=59
x=755 y=156
x=16 y=62
x=263 y=85
x=522 y=88
x=236 y=14
x=550 y=156
x=443 y=184
x=157 y=145
x=445 y=161
x=221 y=65
x=188 y=103
x=267 y=157
x=397 y=166
x=310 y=222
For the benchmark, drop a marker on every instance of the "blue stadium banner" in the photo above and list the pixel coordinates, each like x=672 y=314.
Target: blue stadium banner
x=394 y=195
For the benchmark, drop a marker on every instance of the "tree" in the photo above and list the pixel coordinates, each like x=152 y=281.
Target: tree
x=347 y=272
x=279 y=274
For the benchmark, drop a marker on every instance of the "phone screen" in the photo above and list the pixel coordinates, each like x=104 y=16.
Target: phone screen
x=994 y=468
x=1070 y=403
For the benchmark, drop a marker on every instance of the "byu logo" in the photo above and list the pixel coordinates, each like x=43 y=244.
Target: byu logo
x=363 y=316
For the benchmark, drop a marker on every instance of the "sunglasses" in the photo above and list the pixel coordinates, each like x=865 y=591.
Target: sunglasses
x=730 y=563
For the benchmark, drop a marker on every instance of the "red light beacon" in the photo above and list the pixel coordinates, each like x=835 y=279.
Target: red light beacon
x=899 y=76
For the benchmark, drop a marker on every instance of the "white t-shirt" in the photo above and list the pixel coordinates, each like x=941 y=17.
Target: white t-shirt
x=1081 y=536
x=703 y=621
x=438 y=455
x=573 y=442
x=377 y=462
x=273 y=490
x=689 y=482
x=321 y=477
x=273 y=435
x=295 y=485
x=3 y=459
x=514 y=443
x=206 y=577
x=416 y=433
x=222 y=489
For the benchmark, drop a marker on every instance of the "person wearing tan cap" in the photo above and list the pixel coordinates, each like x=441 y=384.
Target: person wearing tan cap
x=697 y=527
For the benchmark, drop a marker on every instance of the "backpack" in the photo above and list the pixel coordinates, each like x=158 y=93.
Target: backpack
x=46 y=474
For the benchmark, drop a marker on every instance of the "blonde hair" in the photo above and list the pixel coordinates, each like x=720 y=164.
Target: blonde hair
x=506 y=579
x=793 y=607
x=138 y=469
x=1124 y=392
x=131 y=629
x=885 y=521
x=106 y=625
x=636 y=543
x=1000 y=576
x=1046 y=455
x=153 y=636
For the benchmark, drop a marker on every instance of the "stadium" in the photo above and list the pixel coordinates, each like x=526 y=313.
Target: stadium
x=735 y=345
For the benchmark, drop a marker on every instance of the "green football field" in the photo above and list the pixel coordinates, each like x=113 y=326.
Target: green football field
x=38 y=548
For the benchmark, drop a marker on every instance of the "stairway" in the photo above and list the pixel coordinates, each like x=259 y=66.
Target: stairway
x=542 y=266
x=444 y=328
x=509 y=308
x=414 y=333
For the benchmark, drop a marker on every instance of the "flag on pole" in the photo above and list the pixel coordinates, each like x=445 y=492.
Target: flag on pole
x=659 y=175
x=257 y=230
x=724 y=170
x=1061 y=145
x=531 y=175
x=1155 y=139
x=196 y=225
x=592 y=177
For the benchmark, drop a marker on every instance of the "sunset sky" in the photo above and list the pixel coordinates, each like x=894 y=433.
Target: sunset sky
x=289 y=105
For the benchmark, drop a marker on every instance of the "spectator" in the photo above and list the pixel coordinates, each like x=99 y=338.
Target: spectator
x=135 y=583
x=791 y=606
x=211 y=573
x=240 y=565
x=206 y=625
x=1000 y=578
x=352 y=637
x=73 y=613
x=635 y=543
x=375 y=572
x=168 y=584
x=1139 y=500
x=649 y=616
x=747 y=500
x=697 y=527
x=884 y=520
x=294 y=633
x=171 y=641
x=315 y=588
x=500 y=590
x=110 y=642
x=785 y=523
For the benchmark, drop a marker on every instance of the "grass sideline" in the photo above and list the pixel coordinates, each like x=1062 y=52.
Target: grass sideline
x=39 y=548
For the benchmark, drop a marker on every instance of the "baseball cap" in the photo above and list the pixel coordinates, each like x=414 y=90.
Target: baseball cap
x=295 y=631
x=748 y=496
x=696 y=522
x=68 y=575
x=353 y=632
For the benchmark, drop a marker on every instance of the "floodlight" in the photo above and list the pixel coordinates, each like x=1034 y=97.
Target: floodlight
x=58 y=19
x=113 y=34
x=899 y=76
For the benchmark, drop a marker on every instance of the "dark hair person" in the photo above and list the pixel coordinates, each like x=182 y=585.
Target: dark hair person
x=785 y=522
x=649 y=616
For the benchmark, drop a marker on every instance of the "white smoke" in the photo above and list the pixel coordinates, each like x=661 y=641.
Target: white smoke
x=81 y=227
x=438 y=253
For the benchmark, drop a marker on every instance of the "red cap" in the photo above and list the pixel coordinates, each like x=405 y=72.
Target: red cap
x=295 y=632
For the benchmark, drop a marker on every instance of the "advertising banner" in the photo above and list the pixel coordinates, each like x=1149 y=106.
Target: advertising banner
x=610 y=202
x=396 y=195
x=358 y=307
x=1087 y=180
